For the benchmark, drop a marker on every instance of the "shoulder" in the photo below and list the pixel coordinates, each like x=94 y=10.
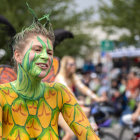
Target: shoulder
x=53 y=94
x=64 y=94
x=55 y=85
x=7 y=94
x=60 y=79
x=4 y=87
x=60 y=88
x=76 y=78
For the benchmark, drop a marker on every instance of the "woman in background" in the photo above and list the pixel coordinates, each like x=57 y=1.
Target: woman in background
x=68 y=77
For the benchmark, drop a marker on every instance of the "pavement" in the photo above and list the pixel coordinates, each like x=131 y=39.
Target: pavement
x=116 y=129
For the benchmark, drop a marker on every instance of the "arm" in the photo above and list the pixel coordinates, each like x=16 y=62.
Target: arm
x=75 y=117
x=136 y=114
x=85 y=90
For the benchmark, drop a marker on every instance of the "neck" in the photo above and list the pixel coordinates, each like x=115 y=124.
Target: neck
x=28 y=86
x=69 y=75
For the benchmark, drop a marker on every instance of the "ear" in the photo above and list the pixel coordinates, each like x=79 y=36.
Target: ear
x=18 y=56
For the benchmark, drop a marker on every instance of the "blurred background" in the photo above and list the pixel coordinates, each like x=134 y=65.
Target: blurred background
x=106 y=45
x=99 y=26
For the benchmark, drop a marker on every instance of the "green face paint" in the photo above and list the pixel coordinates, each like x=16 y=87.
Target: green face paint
x=42 y=42
x=44 y=54
x=38 y=64
x=35 y=66
x=48 y=43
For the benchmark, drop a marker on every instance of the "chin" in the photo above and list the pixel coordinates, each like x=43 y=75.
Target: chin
x=42 y=74
x=72 y=72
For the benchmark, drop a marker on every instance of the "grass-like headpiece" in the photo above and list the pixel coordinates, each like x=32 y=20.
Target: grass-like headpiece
x=35 y=28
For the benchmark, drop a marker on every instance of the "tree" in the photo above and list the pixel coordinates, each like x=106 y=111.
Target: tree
x=63 y=15
x=121 y=14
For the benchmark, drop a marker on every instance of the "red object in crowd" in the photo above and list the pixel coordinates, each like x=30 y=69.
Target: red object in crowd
x=133 y=84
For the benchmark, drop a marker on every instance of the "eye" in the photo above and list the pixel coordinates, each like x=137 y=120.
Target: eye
x=37 y=50
x=50 y=52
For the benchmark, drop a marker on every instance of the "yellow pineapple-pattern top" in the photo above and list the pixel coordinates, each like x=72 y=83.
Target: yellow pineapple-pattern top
x=28 y=119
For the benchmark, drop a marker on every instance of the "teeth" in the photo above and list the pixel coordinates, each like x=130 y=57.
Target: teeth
x=42 y=65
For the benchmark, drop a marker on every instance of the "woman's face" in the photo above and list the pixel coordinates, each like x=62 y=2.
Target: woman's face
x=37 y=57
x=71 y=66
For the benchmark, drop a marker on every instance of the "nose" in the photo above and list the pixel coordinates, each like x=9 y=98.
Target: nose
x=44 y=55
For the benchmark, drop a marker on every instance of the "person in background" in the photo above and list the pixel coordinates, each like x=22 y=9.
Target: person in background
x=133 y=82
x=68 y=77
x=88 y=67
x=131 y=118
x=95 y=82
x=133 y=94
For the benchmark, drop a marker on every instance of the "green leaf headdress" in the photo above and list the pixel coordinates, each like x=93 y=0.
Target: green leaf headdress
x=37 y=20
x=19 y=40
x=35 y=27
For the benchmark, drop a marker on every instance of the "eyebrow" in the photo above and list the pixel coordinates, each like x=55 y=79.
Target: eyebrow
x=50 y=50
x=36 y=46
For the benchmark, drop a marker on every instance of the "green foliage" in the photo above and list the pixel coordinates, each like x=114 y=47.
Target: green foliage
x=121 y=14
x=71 y=46
x=63 y=15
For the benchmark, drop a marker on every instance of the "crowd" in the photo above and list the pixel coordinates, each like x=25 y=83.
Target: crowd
x=118 y=85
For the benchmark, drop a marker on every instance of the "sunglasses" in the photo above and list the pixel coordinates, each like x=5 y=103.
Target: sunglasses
x=71 y=64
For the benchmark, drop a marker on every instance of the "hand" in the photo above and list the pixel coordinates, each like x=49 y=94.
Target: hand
x=102 y=99
x=80 y=102
x=93 y=123
x=94 y=126
x=135 y=116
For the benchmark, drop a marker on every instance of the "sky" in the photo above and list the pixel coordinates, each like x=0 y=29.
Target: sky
x=98 y=32
x=83 y=4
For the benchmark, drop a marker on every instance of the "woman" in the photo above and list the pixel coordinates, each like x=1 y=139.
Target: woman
x=68 y=77
x=29 y=108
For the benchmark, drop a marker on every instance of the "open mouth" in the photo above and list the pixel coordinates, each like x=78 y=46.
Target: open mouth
x=42 y=65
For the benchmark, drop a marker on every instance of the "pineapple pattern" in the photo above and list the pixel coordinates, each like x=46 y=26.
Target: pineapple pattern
x=27 y=119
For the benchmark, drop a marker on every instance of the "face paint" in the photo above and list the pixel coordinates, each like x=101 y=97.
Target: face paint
x=50 y=48
x=35 y=66
x=38 y=64
x=45 y=55
x=48 y=43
